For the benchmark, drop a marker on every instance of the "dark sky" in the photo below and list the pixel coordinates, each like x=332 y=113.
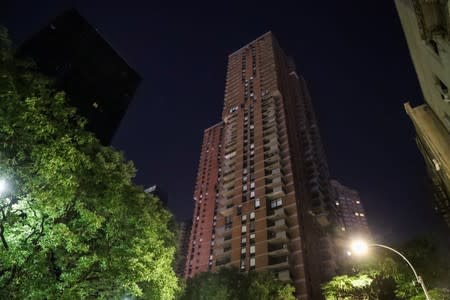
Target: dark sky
x=352 y=53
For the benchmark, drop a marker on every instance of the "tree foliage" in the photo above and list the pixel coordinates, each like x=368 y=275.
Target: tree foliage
x=230 y=284
x=387 y=276
x=72 y=224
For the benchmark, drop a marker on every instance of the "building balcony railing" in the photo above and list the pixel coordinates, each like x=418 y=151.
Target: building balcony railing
x=225 y=201
x=278 y=263
x=276 y=214
x=223 y=260
x=278 y=225
x=224 y=241
x=285 y=276
x=277 y=237
x=276 y=192
x=226 y=210
x=278 y=250
x=228 y=175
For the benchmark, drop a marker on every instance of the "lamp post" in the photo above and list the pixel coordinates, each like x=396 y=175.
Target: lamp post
x=361 y=247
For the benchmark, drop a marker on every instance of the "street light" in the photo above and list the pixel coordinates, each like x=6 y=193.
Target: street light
x=361 y=247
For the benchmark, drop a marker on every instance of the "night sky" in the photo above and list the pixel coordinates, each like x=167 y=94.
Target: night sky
x=352 y=53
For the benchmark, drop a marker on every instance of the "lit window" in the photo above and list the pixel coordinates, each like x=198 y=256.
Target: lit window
x=242 y=264
x=244 y=228
x=356 y=214
x=337 y=203
x=276 y=203
x=252 y=262
x=252 y=194
x=252 y=185
x=257 y=203
x=357 y=202
x=252 y=249
x=243 y=250
x=252 y=215
x=361 y=215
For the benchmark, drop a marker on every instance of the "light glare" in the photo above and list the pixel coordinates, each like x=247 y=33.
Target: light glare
x=359 y=247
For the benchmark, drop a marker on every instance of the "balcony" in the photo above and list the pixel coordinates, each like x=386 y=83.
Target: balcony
x=223 y=261
x=275 y=181
x=278 y=225
x=228 y=175
x=276 y=214
x=225 y=201
x=285 y=276
x=226 y=210
x=275 y=192
x=278 y=249
x=224 y=241
x=221 y=231
x=278 y=262
x=277 y=237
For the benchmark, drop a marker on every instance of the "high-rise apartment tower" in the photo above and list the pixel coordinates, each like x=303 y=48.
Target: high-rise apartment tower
x=427 y=30
x=263 y=197
x=350 y=211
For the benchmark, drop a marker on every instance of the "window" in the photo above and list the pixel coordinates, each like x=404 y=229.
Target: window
x=243 y=228
x=252 y=249
x=257 y=203
x=243 y=250
x=252 y=185
x=252 y=237
x=252 y=226
x=243 y=240
x=252 y=194
x=244 y=218
x=252 y=262
x=239 y=210
x=252 y=215
x=276 y=203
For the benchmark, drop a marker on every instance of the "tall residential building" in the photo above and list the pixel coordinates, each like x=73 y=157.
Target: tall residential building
x=350 y=210
x=263 y=196
x=97 y=80
x=201 y=242
x=427 y=30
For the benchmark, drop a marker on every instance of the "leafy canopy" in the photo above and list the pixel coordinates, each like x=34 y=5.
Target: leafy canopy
x=230 y=284
x=72 y=223
x=386 y=276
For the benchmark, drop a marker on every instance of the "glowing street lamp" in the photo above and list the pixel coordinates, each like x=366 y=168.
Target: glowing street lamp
x=360 y=247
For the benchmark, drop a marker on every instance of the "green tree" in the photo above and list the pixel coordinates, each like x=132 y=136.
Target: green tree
x=389 y=277
x=72 y=223
x=230 y=284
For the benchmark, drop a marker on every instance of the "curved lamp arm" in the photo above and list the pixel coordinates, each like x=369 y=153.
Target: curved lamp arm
x=418 y=278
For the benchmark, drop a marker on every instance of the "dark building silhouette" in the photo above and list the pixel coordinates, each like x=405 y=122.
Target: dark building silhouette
x=97 y=80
